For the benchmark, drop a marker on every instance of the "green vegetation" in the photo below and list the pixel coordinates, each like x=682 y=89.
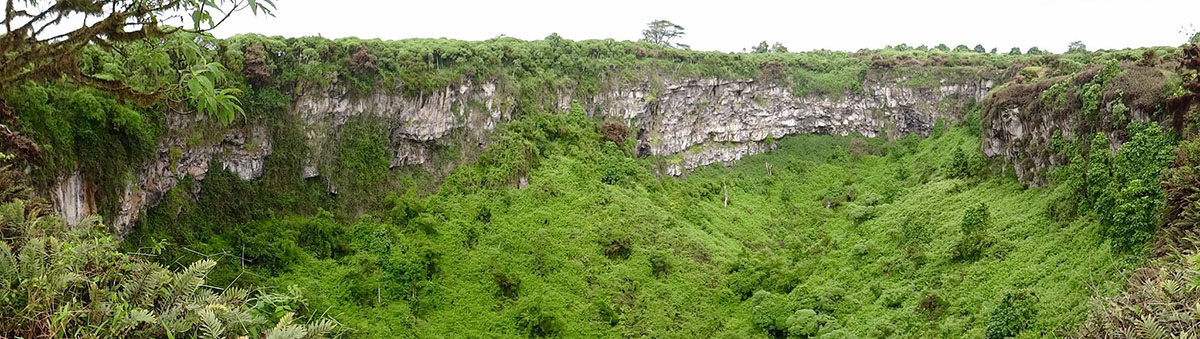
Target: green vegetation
x=89 y=131
x=103 y=137
x=815 y=240
x=59 y=281
x=557 y=229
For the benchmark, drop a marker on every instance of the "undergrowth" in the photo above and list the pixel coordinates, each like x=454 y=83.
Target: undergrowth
x=912 y=237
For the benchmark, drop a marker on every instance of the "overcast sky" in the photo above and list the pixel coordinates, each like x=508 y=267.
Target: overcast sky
x=737 y=24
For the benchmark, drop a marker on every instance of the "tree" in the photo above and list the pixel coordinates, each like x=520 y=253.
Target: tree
x=994 y=50
x=973 y=242
x=41 y=43
x=662 y=32
x=979 y=49
x=1077 y=47
x=962 y=48
x=1034 y=51
x=762 y=47
x=1014 y=51
x=942 y=47
x=29 y=53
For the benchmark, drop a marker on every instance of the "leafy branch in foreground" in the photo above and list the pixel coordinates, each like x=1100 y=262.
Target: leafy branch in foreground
x=45 y=42
x=30 y=49
x=201 y=91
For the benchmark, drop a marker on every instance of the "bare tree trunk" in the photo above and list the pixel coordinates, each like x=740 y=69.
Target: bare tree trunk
x=725 y=190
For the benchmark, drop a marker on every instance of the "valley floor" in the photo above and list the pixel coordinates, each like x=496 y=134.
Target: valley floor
x=824 y=236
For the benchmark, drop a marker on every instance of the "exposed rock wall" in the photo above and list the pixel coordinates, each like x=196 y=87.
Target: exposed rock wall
x=73 y=198
x=695 y=122
x=726 y=116
x=413 y=124
x=1020 y=121
x=239 y=150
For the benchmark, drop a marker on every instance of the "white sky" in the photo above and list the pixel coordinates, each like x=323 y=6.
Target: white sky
x=736 y=24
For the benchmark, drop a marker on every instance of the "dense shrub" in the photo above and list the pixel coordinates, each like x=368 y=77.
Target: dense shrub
x=614 y=131
x=1125 y=189
x=1015 y=313
x=932 y=306
x=973 y=240
x=1182 y=190
x=85 y=130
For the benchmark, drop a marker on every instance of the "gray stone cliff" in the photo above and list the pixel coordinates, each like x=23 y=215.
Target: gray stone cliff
x=693 y=122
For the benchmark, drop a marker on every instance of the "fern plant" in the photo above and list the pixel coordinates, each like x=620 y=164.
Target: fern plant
x=71 y=281
x=1162 y=301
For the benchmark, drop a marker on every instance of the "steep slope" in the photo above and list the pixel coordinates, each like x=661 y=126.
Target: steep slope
x=438 y=100
x=718 y=108
x=825 y=235
x=433 y=187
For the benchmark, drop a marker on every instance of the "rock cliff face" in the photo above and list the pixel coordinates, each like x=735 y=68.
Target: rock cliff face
x=694 y=122
x=703 y=121
x=1020 y=121
x=1021 y=141
x=413 y=124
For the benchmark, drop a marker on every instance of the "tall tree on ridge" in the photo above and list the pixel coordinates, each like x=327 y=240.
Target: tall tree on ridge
x=662 y=32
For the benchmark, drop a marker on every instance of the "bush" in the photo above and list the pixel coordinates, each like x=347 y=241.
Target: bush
x=771 y=313
x=804 y=323
x=614 y=131
x=1123 y=189
x=973 y=240
x=507 y=284
x=859 y=147
x=537 y=321
x=1181 y=186
x=1160 y=301
x=931 y=306
x=659 y=266
x=1014 y=314
x=958 y=166
x=619 y=248
x=409 y=268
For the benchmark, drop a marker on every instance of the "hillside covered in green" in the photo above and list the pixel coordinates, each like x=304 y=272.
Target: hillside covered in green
x=558 y=227
x=823 y=236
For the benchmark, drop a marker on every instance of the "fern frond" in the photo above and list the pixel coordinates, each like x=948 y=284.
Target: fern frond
x=210 y=325
x=1150 y=328
x=287 y=332
x=242 y=318
x=320 y=329
x=8 y=262
x=193 y=276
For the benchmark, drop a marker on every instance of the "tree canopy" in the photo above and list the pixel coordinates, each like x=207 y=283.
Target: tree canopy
x=41 y=43
x=762 y=47
x=37 y=45
x=1077 y=47
x=662 y=33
